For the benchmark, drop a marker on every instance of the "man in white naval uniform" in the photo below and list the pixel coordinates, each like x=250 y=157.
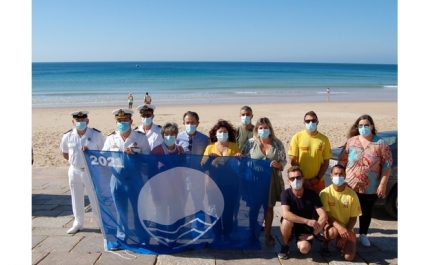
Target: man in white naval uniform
x=129 y=142
x=73 y=141
x=151 y=130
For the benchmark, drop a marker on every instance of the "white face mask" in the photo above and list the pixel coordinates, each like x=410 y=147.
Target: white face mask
x=246 y=120
x=296 y=184
x=338 y=180
x=222 y=137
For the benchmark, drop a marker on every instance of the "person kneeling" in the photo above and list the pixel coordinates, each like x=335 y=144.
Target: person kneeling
x=298 y=205
x=343 y=207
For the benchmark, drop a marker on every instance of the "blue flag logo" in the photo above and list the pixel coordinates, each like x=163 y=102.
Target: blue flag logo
x=158 y=204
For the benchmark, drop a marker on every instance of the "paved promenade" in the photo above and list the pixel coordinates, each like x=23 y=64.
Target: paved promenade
x=52 y=216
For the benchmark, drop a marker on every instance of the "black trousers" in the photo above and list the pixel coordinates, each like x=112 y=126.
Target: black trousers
x=367 y=201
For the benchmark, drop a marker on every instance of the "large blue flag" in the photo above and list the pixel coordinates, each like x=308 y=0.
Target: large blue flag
x=157 y=204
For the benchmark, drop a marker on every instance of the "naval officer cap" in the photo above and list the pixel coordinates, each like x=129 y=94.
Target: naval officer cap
x=144 y=107
x=122 y=113
x=79 y=114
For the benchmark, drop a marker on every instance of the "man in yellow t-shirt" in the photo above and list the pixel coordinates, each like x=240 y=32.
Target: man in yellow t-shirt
x=343 y=207
x=311 y=151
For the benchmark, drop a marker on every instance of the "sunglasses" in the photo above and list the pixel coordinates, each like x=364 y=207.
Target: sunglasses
x=298 y=177
x=363 y=125
x=190 y=143
x=313 y=121
x=146 y=115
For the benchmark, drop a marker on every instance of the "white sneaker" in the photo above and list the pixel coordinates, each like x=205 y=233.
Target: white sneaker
x=74 y=229
x=364 y=240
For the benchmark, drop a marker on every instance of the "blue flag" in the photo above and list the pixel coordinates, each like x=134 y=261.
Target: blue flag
x=159 y=204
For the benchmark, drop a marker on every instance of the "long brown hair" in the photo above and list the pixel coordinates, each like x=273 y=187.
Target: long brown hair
x=353 y=131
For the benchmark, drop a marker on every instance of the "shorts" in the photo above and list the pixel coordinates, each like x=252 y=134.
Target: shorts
x=299 y=229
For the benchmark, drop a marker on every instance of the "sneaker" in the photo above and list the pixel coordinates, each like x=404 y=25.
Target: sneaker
x=285 y=251
x=364 y=240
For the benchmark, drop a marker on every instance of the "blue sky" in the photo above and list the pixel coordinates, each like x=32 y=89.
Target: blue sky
x=275 y=31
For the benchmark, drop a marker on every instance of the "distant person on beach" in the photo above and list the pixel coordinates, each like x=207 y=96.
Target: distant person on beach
x=297 y=207
x=130 y=142
x=265 y=145
x=147 y=99
x=343 y=207
x=80 y=138
x=311 y=151
x=246 y=128
x=130 y=101
x=368 y=161
x=148 y=127
x=328 y=90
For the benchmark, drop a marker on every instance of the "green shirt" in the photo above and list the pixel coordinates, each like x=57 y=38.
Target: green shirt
x=243 y=135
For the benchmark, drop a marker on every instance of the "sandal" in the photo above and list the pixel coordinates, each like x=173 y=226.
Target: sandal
x=324 y=252
x=270 y=240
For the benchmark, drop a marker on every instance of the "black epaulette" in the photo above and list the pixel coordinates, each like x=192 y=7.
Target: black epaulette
x=159 y=126
x=137 y=127
x=141 y=132
x=112 y=133
x=96 y=130
x=68 y=131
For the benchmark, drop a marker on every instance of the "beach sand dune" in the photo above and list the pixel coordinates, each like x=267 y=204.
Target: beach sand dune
x=49 y=124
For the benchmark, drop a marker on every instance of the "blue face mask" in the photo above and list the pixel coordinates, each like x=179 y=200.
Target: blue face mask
x=246 y=120
x=169 y=140
x=337 y=180
x=146 y=121
x=364 y=131
x=80 y=126
x=123 y=126
x=222 y=137
x=190 y=129
x=311 y=126
x=263 y=133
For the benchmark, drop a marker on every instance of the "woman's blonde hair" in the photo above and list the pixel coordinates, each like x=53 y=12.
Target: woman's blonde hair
x=266 y=121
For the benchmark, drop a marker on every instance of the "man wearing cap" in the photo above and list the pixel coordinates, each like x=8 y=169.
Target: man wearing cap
x=130 y=142
x=151 y=130
x=72 y=144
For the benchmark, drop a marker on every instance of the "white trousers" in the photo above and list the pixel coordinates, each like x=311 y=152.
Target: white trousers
x=77 y=180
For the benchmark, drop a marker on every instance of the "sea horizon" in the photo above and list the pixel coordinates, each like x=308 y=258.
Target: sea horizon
x=68 y=84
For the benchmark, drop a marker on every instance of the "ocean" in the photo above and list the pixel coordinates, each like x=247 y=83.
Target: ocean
x=71 y=84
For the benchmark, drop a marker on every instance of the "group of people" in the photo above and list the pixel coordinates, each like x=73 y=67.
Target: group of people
x=358 y=179
x=147 y=100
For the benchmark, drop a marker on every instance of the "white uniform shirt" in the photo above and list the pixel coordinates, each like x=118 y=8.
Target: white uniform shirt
x=71 y=143
x=154 y=135
x=114 y=142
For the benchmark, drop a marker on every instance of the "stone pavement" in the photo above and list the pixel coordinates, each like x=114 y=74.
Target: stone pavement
x=52 y=216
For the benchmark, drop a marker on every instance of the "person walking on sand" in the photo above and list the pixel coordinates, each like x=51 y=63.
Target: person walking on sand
x=147 y=99
x=130 y=101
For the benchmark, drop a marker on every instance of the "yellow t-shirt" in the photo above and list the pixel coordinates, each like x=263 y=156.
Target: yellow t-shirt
x=232 y=149
x=311 y=151
x=341 y=205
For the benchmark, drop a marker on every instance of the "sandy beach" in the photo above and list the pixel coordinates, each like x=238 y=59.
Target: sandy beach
x=335 y=119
